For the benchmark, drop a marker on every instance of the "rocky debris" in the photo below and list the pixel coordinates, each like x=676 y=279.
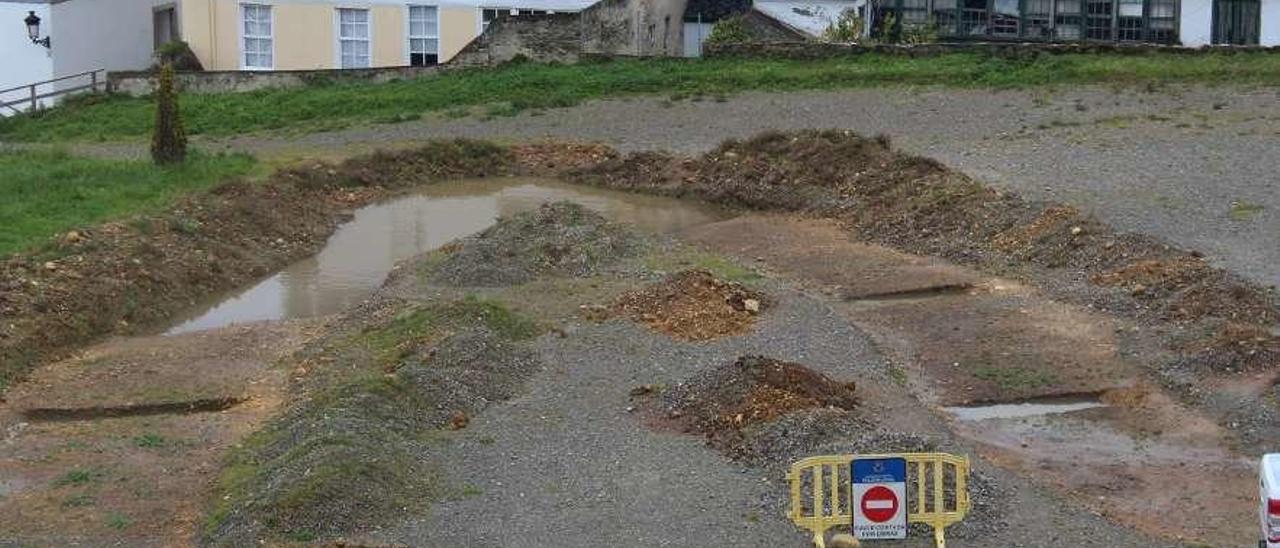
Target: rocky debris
x=724 y=403
x=693 y=305
x=560 y=239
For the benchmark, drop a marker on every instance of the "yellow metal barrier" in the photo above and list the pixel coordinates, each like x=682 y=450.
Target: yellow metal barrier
x=929 y=477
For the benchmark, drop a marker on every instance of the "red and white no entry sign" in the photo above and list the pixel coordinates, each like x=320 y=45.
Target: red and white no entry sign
x=879 y=492
x=879 y=504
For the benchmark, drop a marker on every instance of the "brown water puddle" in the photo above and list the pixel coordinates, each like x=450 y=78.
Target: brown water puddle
x=359 y=255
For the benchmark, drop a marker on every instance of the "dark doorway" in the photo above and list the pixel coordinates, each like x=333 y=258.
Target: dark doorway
x=164 y=26
x=1236 y=22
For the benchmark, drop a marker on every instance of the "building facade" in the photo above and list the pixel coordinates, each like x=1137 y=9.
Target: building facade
x=327 y=34
x=21 y=61
x=1185 y=22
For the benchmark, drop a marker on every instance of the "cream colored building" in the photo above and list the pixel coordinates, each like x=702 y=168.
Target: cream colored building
x=329 y=34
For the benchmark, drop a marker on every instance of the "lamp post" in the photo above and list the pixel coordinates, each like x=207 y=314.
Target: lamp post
x=33 y=30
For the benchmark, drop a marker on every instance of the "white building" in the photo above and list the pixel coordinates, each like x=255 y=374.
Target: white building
x=21 y=61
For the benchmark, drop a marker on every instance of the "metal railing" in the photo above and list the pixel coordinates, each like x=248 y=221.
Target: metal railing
x=33 y=95
x=937 y=492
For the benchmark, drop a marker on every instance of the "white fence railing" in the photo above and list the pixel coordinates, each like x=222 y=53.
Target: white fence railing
x=30 y=96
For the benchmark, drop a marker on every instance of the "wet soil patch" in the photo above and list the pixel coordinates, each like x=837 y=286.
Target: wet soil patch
x=562 y=238
x=693 y=305
x=135 y=474
x=171 y=408
x=822 y=250
x=996 y=348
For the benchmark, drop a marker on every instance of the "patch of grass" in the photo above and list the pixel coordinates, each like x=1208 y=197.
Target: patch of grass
x=898 y=375
x=149 y=441
x=78 y=476
x=48 y=192
x=78 y=500
x=1015 y=378
x=117 y=521
x=1243 y=211
x=525 y=86
x=690 y=259
x=388 y=343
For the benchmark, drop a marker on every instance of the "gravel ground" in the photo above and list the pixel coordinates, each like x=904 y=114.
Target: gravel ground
x=570 y=466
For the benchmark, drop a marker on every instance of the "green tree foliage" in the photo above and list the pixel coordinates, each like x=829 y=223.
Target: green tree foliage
x=168 y=140
x=847 y=28
x=729 y=30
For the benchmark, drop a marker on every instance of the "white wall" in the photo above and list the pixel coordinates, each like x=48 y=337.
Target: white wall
x=694 y=35
x=102 y=34
x=21 y=62
x=1270 y=23
x=1197 y=22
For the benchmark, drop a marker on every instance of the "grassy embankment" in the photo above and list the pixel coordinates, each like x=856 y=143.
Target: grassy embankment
x=48 y=192
x=516 y=87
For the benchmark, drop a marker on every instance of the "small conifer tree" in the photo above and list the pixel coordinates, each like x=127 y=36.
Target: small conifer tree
x=168 y=141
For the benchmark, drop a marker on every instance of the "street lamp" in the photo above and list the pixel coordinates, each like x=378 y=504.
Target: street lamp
x=33 y=29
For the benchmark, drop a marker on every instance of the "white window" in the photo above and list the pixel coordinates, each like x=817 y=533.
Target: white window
x=353 y=38
x=424 y=35
x=487 y=15
x=257 y=44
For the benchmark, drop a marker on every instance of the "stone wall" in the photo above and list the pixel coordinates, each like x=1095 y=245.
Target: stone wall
x=137 y=83
x=640 y=28
x=552 y=37
x=824 y=50
x=762 y=28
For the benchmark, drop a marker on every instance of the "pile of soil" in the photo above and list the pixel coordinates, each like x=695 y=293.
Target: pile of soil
x=358 y=453
x=918 y=205
x=1233 y=347
x=729 y=403
x=561 y=239
x=693 y=305
x=551 y=159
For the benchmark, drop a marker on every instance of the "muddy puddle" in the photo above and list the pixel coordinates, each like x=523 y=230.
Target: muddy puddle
x=1050 y=406
x=358 y=256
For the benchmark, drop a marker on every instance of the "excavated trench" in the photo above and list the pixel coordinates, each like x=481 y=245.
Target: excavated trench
x=1003 y=359
x=360 y=254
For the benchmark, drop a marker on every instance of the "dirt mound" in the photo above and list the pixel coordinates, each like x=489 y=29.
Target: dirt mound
x=435 y=160
x=550 y=159
x=1233 y=347
x=562 y=239
x=358 y=452
x=725 y=402
x=693 y=305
